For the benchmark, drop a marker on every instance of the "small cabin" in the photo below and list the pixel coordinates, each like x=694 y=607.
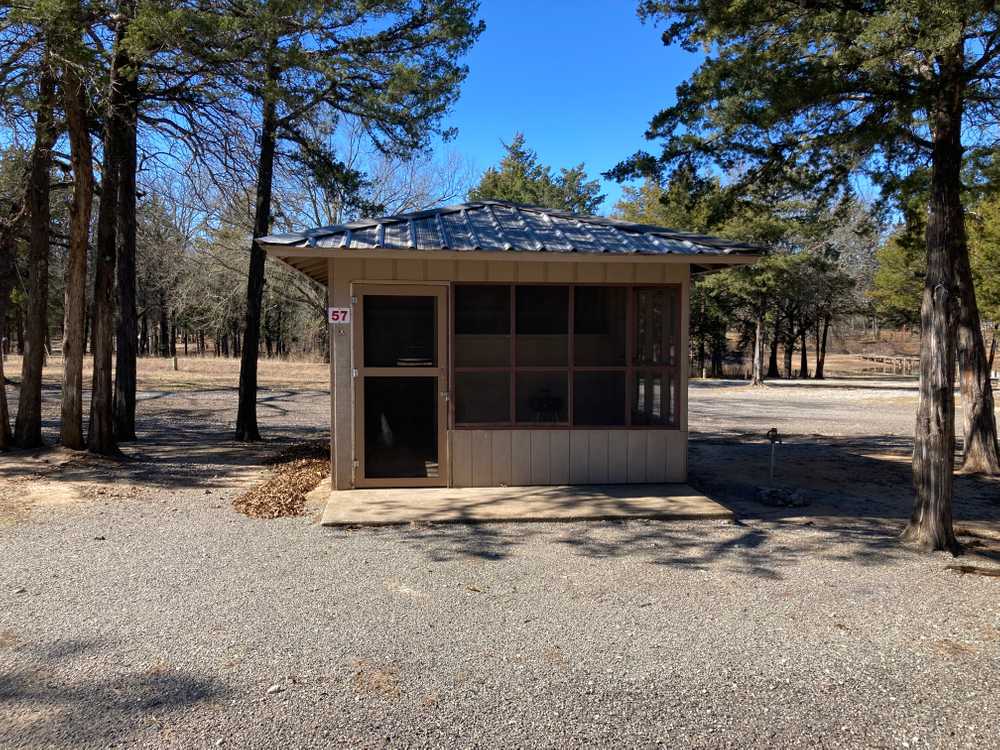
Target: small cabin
x=493 y=344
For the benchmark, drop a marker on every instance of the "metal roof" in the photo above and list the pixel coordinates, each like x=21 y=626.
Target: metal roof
x=500 y=225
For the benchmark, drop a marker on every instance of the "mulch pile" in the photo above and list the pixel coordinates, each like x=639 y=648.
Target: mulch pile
x=295 y=472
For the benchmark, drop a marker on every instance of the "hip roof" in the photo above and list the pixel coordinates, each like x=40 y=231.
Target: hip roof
x=492 y=225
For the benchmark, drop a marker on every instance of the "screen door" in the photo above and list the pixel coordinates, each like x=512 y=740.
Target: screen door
x=400 y=350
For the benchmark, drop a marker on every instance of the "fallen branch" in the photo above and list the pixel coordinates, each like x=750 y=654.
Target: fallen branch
x=974 y=570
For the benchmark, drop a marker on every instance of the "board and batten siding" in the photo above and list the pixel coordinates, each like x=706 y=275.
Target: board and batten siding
x=493 y=458
x=519 y=457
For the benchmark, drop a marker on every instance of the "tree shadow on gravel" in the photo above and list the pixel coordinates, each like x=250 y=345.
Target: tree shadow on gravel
x=180 y=448
x=737 y=548
x=855 y=480
x=853 y=498
x=47 y=700
x=466 y=541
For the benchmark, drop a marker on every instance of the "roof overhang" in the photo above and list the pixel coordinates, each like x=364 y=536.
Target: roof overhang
x=312 y=261
x=503 y=232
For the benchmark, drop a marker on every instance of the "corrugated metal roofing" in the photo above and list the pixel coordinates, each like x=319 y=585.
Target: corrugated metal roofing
x=500 y=225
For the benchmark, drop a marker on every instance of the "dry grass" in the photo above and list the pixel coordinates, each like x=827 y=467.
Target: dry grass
x=193 y=372
x=295 y=472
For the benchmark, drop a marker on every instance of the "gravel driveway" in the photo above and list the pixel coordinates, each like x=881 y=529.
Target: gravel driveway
x=160 y=617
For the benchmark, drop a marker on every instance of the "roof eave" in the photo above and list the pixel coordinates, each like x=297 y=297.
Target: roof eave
x=302 y=250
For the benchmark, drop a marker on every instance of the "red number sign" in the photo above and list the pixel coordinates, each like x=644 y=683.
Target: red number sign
x=340 y=315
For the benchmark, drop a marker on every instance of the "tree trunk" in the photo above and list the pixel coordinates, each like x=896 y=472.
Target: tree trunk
x=804 y=355
x=100 y=433
x=7 y=243
x=821 y=349
x=789 y=352
x=981 y=453
x=6 y=438
x=74 y=342
x=246 y=417
x=126 y=333
x=718 y=351
x=757 y=377
x=28 y=425
x=144 y=334
x=930 y=525
x=19 y=328
x=772 y=362
x=164 y=350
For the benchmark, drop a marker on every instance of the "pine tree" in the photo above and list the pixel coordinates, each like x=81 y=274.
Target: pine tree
x=520 y=178
x=308 y=66
x=808 y=95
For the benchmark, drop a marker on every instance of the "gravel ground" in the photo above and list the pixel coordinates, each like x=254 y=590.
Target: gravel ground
x=160 y=617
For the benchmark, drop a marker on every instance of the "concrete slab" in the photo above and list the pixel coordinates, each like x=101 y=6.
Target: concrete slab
x=384 y=507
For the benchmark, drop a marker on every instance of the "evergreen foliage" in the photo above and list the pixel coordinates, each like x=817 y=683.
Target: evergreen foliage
x=522 y=179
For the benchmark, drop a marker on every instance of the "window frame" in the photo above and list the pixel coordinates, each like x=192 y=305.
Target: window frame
x=631 y=368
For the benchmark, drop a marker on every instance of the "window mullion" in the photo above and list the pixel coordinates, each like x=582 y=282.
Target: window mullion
x=512 y=412
x=571 y=334
x=630 y=335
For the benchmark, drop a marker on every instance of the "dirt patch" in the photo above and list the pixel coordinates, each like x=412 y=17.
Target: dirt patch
x=373 y=679
x=294 y=472
x=33 y=482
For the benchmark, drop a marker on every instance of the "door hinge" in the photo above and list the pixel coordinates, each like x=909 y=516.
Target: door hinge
x=354 y=300
x=354 y=372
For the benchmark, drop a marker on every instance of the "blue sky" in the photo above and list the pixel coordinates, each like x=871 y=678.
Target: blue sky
x=580 y=79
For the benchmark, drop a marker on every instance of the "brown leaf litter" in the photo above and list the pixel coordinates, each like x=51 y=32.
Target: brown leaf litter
x=295 y=471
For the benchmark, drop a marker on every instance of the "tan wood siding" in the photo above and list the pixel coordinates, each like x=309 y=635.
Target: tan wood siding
x=342 y=391
x=598 y=453
x=559 y=457
x=656 y=456
x=440 y=270
x=500 y=441
x=560 y=272
x=461 y=461
x=635 y=460
x=618 y=457
x=379 y=269
x=518 y=457
x=503 y=270
x=579 y=458
x=528 y=272
x=492 y=458
x=410 y=270
x=482 y=458
x=538 y=472
x=590 y=274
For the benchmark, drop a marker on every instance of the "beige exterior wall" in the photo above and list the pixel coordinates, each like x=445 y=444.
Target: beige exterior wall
x=511 y=456
x=491 y=458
